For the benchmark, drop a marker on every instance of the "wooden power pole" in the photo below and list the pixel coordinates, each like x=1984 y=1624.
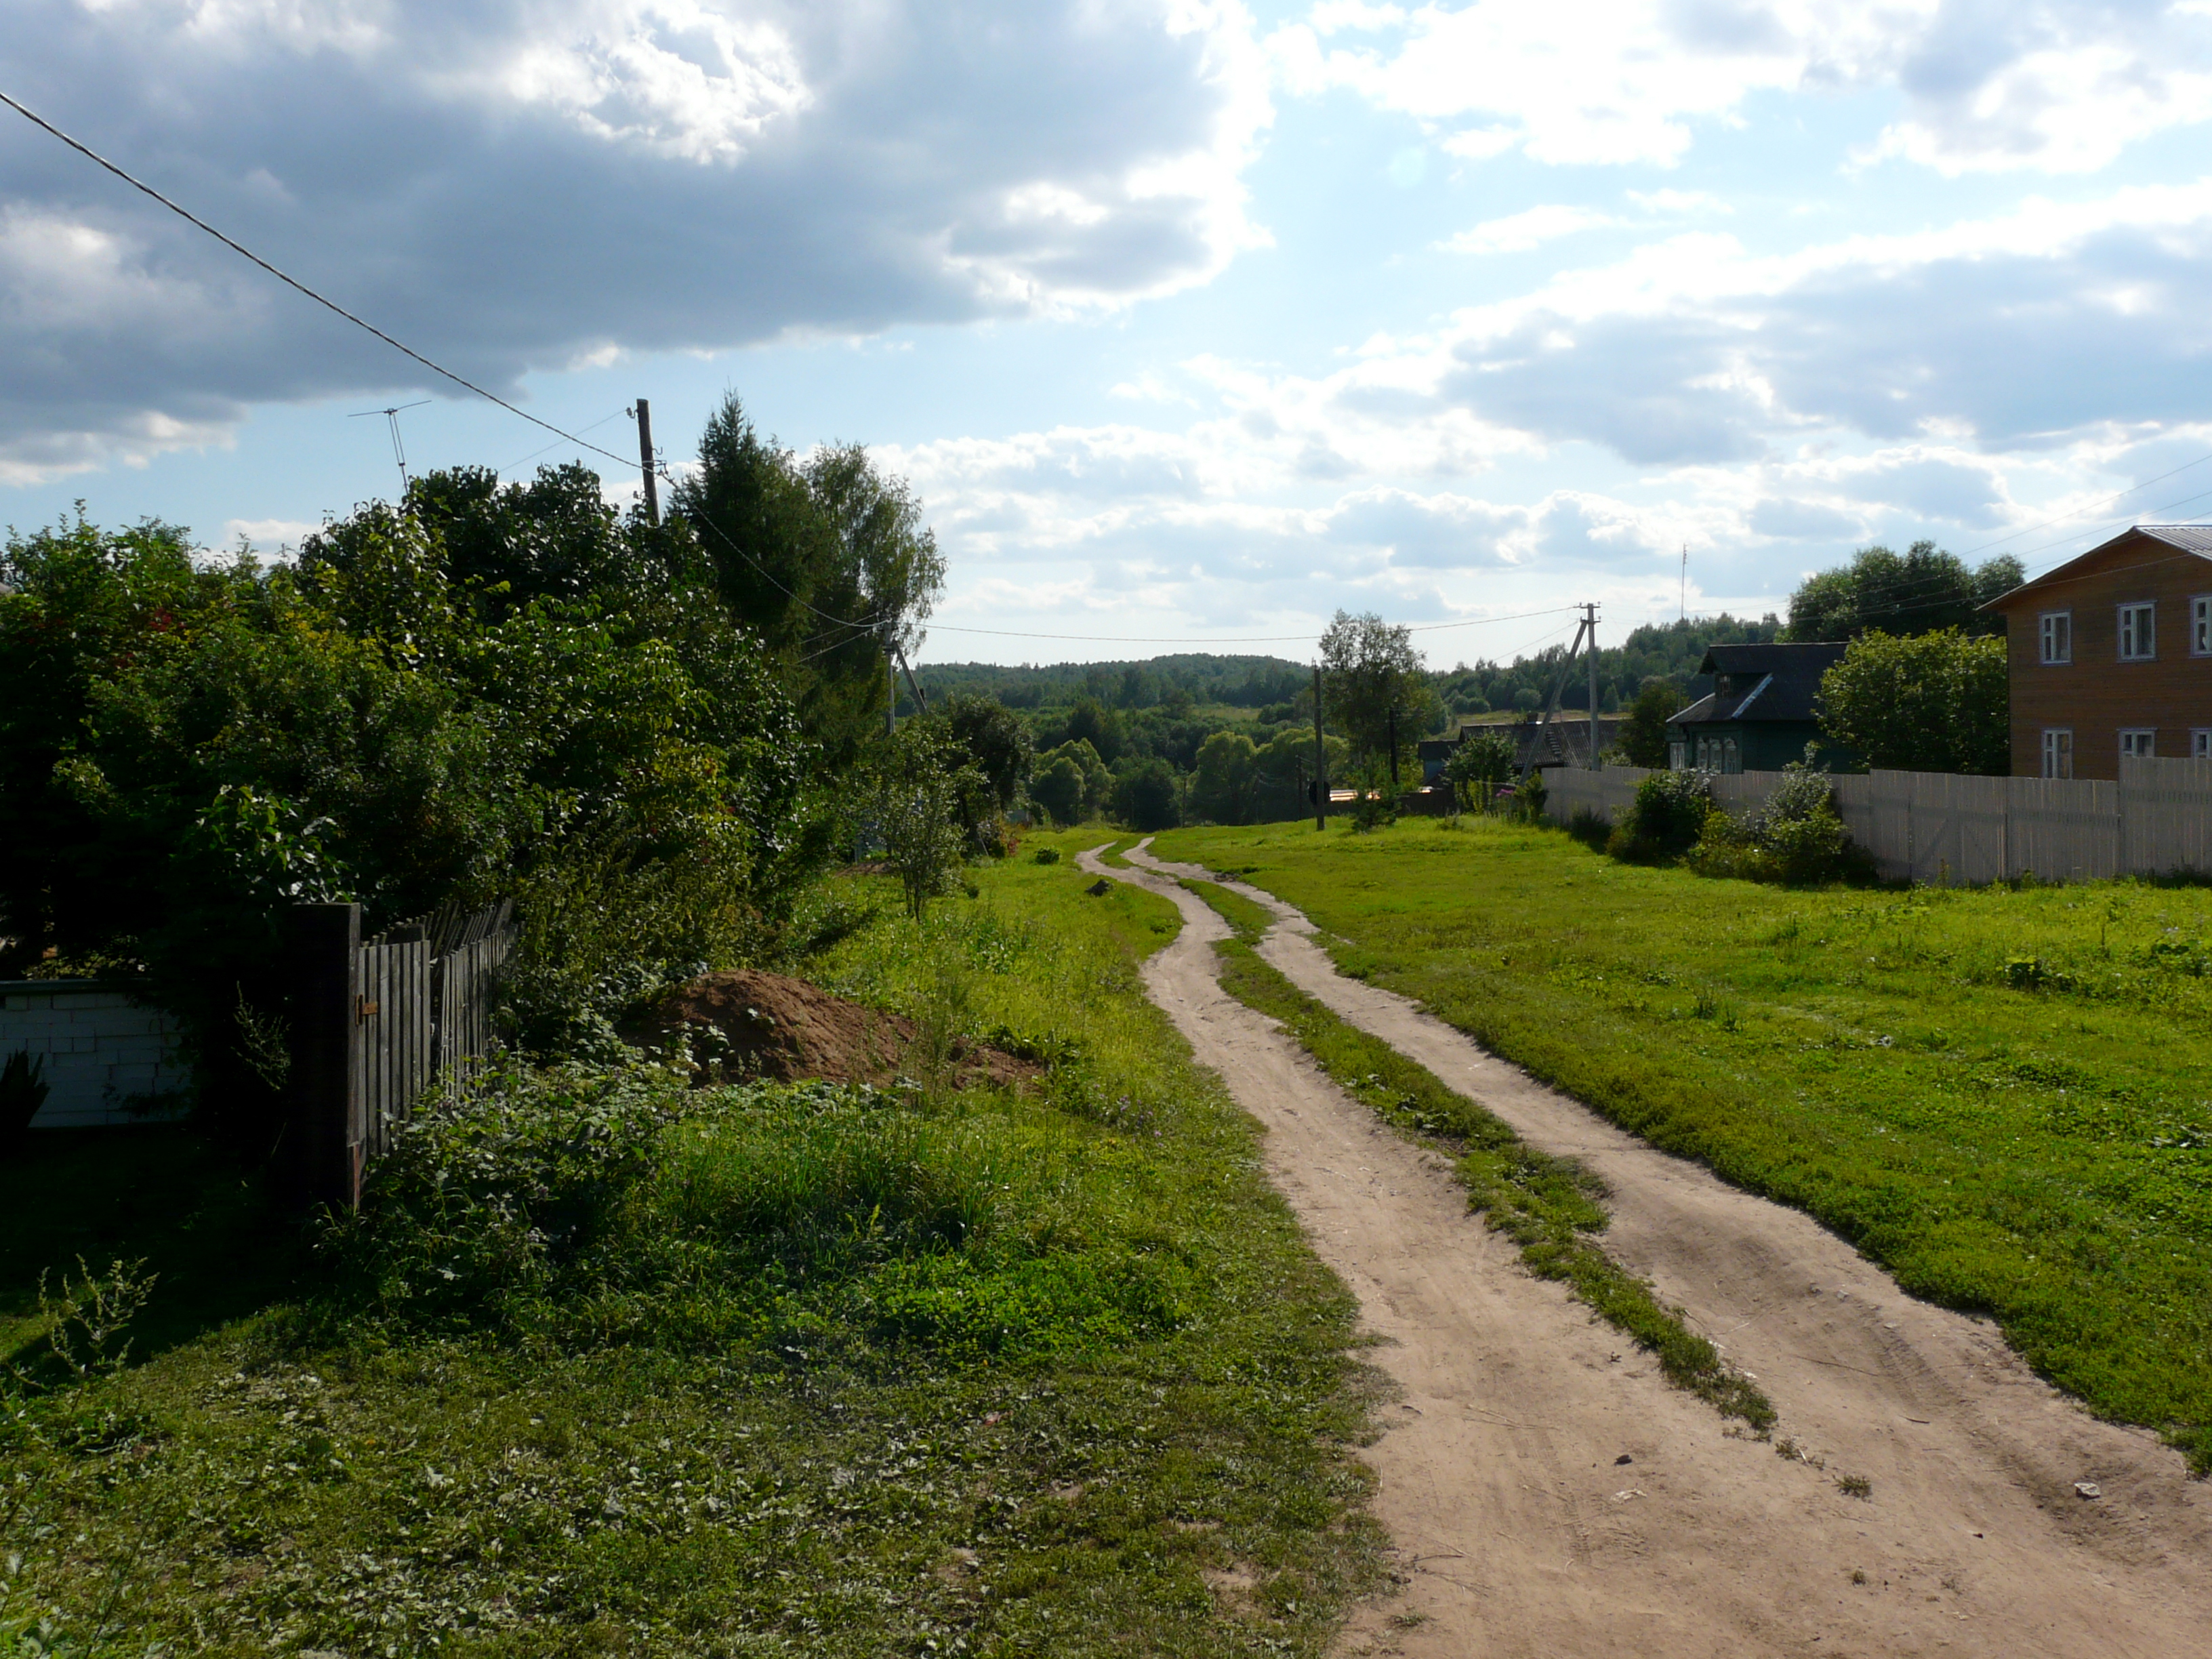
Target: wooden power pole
x=645 y=460
x=1321 y=761
x=1590 y=619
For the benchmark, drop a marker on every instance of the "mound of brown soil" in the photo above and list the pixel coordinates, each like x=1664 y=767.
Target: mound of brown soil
x=747 y=1024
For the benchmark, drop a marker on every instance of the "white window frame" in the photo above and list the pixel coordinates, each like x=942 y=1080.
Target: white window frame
x=2200 y=743
x=1678 y=754
x=2141 y=741
x=2057 y=751
x=2200 y=625
x=2138 y=631
x=2056 y=631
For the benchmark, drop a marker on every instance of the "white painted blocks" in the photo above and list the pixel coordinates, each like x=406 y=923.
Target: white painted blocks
x=103 y=1052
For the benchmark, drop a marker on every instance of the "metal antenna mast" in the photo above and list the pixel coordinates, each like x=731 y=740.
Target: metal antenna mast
x=1683 y=613
x=398 y=451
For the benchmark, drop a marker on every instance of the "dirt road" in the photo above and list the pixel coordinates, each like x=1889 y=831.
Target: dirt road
x=1551 y=1496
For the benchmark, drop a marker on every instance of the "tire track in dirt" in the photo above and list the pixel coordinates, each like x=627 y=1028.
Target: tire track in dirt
x=1518 y=1531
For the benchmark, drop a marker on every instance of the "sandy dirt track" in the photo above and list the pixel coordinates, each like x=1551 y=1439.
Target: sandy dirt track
x=1550 y=1495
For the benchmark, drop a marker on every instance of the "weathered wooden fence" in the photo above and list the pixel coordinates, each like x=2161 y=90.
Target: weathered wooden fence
x=374 y=1023
x=1940 y=827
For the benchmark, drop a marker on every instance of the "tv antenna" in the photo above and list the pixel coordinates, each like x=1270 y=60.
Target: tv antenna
x=398 y=451
x=1683 y=603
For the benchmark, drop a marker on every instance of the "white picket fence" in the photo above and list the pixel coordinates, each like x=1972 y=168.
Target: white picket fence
x=1945 y=828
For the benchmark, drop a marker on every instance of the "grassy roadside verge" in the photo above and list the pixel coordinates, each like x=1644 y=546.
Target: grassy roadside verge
x=615 y=1367
x=1550 y=1207
x=2004 y=1097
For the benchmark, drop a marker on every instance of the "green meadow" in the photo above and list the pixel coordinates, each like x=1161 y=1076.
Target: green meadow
x=611 y=1366
x=2004 y=1096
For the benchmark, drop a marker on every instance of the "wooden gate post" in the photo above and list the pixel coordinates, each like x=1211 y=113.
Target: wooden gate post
x=323 y=1128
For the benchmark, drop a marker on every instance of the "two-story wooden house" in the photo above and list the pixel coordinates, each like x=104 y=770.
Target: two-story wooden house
x=2111 y=654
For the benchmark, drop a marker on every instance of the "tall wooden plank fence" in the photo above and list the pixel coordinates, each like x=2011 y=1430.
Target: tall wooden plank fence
x=1940 y=826
x=374 y=1023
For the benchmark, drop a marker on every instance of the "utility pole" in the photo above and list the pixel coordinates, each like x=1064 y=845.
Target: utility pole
x=1590 y=619
x=1321 y=761
x=1394 y=747
x=645 y=460
x=891 y=692
x=1585 y=626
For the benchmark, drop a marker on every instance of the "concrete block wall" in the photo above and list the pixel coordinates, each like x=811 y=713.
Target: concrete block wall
x=103 y=1052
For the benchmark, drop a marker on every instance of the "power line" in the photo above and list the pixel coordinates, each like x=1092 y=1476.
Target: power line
x=1255 y=639
x=2106 y=501
x=294 y=282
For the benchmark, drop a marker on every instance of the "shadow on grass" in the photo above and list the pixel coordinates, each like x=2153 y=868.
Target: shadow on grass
x=156 y=1192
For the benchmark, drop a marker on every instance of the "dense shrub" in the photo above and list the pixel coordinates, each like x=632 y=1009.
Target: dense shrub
x=1795 y=837
x=1666 y=817
x=494 y=691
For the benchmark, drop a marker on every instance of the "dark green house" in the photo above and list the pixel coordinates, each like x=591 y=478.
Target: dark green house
x=1760 y=713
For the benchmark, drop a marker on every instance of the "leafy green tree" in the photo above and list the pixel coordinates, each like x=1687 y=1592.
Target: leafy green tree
x=1924 y=590
x=1931 y=702
x=198 y=746
x=1643 y=733
x=921 y=782
x=995 y=739
x=1058 y=788
x=1222 y=785
x=825 y=558
x=1371 y=672
x=1484 y=757
x=1288 y=758
x=1148 y=794
x=1098 y=779
x=1103 y=728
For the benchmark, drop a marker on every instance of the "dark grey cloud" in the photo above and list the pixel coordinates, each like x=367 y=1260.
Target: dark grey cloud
x=512 y=185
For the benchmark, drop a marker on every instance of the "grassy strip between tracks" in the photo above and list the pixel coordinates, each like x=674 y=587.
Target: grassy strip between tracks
x=2003 y=1096
x=1550 y=1207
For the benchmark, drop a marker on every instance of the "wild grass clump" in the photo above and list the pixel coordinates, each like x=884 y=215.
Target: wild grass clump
x=575 y=1206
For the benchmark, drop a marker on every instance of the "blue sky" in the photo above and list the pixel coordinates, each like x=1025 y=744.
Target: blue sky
x=1189 y=321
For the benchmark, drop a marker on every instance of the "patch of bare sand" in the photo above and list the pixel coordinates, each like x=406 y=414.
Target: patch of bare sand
x=1519 y=1530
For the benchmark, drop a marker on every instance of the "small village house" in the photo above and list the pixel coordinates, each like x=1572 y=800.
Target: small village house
x=2111 y=654
x=1760 y=713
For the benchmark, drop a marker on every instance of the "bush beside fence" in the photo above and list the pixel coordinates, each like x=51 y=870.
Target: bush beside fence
x=1940 y=827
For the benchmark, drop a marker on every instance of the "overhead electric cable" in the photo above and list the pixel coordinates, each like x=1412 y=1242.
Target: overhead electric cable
x=239 y=248
x=408 y=351
x=332 y=306
x=1251 y=639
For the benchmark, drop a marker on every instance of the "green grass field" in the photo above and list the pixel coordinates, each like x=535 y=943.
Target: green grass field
x=609 y=1366
x=2003 y=1096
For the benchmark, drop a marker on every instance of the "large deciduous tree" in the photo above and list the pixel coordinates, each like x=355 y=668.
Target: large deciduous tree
x=826 y=558
x=1932 y=702
x=1371 y=672
x=1924 y=591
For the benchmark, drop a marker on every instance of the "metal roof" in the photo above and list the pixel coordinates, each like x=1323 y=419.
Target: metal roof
x=1765 y=682
x=2189 y=537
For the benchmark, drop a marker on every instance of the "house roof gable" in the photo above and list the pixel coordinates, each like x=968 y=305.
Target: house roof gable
x=2141 y=545
x=1766 y=683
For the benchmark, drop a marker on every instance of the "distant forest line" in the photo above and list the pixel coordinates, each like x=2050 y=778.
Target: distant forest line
x=1275 y=690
